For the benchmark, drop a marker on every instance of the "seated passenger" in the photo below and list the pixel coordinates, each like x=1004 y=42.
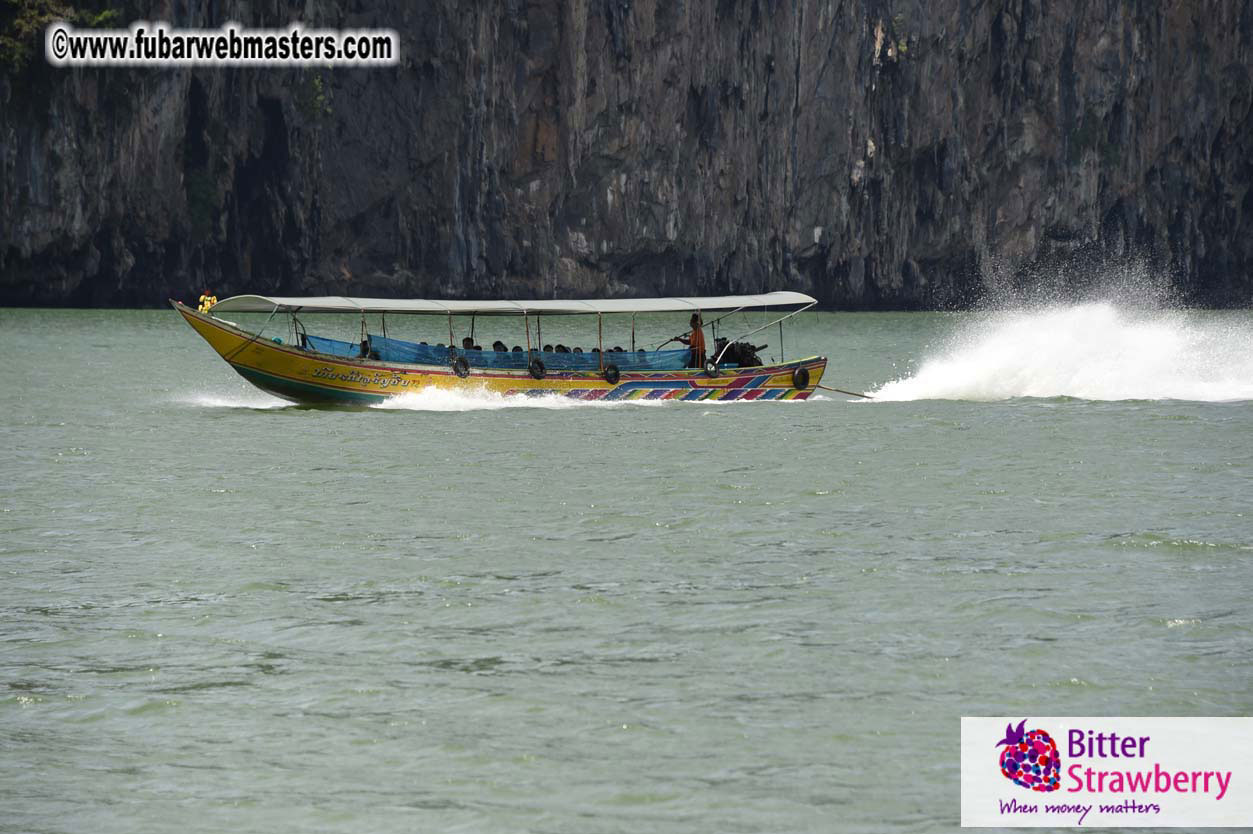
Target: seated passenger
x=562 y=349
x=517 y=348
x=499 y=346
x=548 y=348
x=467 y=343
x=578 y=350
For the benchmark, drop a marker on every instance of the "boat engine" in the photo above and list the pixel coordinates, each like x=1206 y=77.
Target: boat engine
x=743 y=354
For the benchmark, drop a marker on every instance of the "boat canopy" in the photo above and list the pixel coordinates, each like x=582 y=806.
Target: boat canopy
x=548 y=307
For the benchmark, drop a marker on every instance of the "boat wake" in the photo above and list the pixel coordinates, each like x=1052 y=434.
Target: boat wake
x=249 y=400
x=438 y=399
x=1091 y=351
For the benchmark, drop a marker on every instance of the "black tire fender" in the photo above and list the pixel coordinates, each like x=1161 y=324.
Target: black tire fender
x=612 y=374
x=536 y=367
x=800 y=378
x=711 y=368
x=461 y=367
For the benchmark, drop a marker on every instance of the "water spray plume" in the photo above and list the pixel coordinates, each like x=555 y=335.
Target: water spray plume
x=1092 y=351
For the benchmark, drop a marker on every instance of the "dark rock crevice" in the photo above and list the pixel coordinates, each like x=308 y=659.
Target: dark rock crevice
x=877 y=154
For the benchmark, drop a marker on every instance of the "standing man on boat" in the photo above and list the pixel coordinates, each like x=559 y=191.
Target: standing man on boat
x=695 y=339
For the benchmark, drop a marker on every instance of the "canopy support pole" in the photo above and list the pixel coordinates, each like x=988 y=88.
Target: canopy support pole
x=539 y=331
x=714 y=324
x=718 y=358
x=782 y=358
x=600 y=338
x=526 y=322
x=633 y=333
x=255 y=337
x=451 y=347
x=299 y=334
x=724 y=315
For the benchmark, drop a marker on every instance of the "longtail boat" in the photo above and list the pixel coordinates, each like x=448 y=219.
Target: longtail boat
x=307 y=368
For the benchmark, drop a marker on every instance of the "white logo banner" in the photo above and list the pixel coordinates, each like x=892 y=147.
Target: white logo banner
x=1106 y=772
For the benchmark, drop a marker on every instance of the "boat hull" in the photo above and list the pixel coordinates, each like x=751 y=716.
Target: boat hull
x=309 y=377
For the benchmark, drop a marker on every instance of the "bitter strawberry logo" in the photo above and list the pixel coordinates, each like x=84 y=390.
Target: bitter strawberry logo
x=1030 y=758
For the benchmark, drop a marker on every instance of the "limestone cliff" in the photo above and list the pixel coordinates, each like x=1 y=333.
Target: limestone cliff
x=875 y=153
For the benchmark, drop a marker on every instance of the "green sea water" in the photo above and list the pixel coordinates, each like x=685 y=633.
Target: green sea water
x=222 y=612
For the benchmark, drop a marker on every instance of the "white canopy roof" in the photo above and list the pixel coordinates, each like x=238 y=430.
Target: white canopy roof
x=549 y=307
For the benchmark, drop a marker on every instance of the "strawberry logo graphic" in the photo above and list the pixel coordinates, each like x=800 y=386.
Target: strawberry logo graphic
x=1030 y=759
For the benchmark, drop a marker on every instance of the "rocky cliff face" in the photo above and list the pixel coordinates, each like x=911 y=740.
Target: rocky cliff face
x=874 y=153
